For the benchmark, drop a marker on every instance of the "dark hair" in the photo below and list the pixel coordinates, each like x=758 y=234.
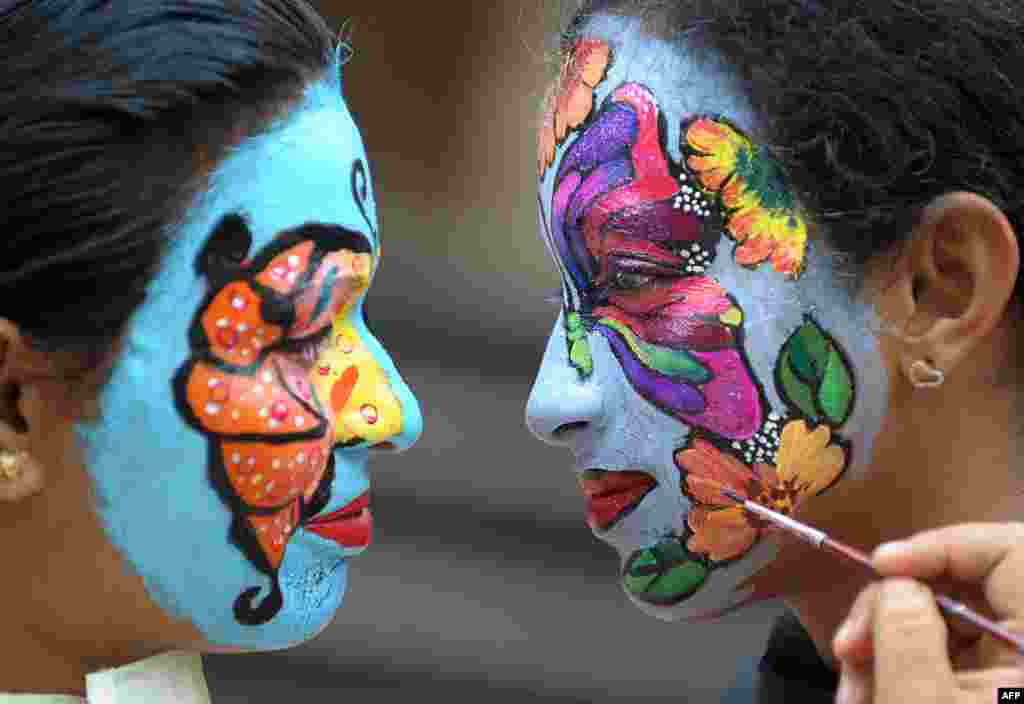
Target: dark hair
x=872 y=108
x=111 y=111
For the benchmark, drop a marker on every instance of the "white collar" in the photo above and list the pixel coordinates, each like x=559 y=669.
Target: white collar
x=173 y=678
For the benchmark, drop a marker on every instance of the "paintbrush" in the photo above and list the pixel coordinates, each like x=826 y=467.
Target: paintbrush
x=822 y=541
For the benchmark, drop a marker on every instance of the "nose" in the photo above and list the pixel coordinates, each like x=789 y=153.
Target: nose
x=371 y=404
x=412 y=416
x=561 y=404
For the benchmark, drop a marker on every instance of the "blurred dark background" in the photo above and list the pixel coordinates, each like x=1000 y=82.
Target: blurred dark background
x=483 y=582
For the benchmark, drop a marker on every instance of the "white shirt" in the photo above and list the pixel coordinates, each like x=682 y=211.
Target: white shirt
x=174 y=678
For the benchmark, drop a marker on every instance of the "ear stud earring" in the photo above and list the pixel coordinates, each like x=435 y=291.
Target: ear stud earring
x=12 y=464
x=925 y=376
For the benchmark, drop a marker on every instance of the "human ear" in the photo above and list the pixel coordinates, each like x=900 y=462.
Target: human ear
x=953 y=283
x=21 y=475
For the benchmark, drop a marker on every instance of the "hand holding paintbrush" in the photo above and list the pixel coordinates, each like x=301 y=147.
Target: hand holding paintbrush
x=888 y=658
x=820 y=540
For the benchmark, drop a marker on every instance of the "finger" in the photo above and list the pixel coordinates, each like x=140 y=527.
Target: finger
x=992 y=553
x=852 y=642
x=855 y=685
x=910 y=644
x=987 y=682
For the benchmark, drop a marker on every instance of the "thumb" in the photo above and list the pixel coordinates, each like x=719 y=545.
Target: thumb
x=911 y=657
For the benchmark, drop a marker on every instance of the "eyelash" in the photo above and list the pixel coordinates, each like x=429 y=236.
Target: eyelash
x=630 y=281
x=312 y=347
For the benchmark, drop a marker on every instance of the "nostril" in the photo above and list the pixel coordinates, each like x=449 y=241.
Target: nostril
x=567 y=429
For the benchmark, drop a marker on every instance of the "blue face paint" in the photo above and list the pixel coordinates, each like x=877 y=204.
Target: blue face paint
x=173 y=487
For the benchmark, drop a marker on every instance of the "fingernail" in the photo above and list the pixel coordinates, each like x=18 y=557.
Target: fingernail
x=892 y=551
x=842 y=637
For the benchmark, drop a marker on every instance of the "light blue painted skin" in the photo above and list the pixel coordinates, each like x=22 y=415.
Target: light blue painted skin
x=150 y=469
x=624 y=431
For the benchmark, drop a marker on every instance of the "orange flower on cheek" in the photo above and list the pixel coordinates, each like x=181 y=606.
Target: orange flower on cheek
x=806 y=464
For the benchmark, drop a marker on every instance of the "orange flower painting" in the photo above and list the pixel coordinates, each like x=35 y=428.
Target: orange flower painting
x=571 y=99
x=806 y=464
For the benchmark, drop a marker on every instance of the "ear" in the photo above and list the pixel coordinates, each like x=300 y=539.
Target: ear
x=953 y=283
x=21 y=475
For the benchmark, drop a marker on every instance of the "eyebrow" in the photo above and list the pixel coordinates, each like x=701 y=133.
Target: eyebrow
x=227 y=249
x=330 y=237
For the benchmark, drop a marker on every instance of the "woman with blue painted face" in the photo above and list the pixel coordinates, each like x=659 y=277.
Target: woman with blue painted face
x=786 y=233
x=190 y=390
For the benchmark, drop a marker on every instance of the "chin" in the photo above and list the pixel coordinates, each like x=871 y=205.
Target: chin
x=660 y=575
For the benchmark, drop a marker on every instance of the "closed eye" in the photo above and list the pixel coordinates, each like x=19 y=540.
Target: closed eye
x=309 y=348
x=629 y=272
x=629 y=281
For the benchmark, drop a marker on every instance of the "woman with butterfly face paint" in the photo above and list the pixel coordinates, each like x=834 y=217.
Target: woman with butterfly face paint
x=786 y=234
x=190 y=390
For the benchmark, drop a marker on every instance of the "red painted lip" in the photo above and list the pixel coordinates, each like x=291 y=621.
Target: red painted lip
x=611 y=496
x=349 y=527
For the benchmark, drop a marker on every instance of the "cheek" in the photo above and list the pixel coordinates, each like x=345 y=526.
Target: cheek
x=682 y=355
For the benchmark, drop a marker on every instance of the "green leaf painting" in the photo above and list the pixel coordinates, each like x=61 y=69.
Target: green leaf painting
x=814 y=377
x=663 y=574
x=579 y=345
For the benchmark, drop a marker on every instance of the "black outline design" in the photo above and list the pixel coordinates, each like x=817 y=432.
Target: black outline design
x=809 y=319
x=222 y=271
x=664 y=567
x=361 y=193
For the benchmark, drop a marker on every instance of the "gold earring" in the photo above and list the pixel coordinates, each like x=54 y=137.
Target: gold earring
x=925 y=376
x=12 y=464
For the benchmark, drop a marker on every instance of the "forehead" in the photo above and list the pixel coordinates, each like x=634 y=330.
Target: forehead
x=308 y=167
x=682 y=82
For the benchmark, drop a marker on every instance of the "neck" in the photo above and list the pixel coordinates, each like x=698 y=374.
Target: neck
x=935 y=463
x=37 y=667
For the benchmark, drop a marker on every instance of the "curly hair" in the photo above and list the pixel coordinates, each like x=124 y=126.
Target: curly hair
x=872 y=108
